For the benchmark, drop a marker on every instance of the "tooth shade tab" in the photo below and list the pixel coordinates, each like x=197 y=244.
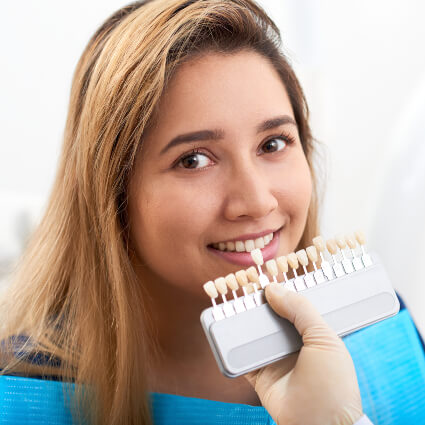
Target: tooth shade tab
x=351 y=241
x=272 y=267
x=282 y=263
x=360 y=237
x=239 y=246
x=249 y=245
x=331 y=245
x=220 y=284
x=319 y=243
x=252 y=274
x=257 y=256
x=340 y=241
x=312 y=253
x=231 y=282
x=259 y=243
x=250 y=288
x=230 y=246
x=292 y=260
x=241 y=277
x=210 y=289
x=302 y=257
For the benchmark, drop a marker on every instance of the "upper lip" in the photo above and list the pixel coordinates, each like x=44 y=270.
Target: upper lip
x=248 y=236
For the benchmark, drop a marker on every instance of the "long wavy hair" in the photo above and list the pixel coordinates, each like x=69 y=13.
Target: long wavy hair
x=75 y=296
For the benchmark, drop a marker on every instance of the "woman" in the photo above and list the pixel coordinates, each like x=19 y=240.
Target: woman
x=187 y=132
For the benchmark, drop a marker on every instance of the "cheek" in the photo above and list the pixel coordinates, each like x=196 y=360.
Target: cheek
x=294 y=196
x=168 y=221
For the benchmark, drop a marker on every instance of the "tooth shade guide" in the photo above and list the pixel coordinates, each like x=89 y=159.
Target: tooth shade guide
x=220 y=284
x=272 y=269
x=351 y=242
x=360 y=237
x=358 y=263
x=211 y=291
x=257 y=256
x=319 y=244
x=290 y=286
x=231 y=282
x=366 y=259
x=337 y=267
x=346 y=263
x=311 y=275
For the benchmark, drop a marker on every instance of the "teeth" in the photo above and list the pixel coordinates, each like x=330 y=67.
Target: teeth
x=244 y=246
x=249 y=245
x=230 y=246
x=259 y=243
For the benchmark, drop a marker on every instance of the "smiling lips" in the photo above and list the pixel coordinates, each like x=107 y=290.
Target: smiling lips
x=244 y=246
x=239 y=252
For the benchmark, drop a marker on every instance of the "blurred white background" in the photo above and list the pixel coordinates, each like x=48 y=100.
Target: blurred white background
x=363 y=70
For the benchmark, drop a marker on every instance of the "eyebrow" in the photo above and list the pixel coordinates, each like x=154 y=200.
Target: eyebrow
x=219 y=133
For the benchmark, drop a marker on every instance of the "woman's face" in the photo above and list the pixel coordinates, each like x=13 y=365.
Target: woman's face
x=223 y=166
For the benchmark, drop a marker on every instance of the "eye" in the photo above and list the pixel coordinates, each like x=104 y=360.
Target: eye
x=194 y=160
x=274 y=145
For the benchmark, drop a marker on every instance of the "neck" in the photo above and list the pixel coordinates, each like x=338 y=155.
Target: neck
x=184 y=363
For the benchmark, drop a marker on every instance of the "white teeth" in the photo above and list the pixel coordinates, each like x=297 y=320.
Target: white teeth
x=259 y=243
x=230 y=246
x=244 y=246
x=249 y=245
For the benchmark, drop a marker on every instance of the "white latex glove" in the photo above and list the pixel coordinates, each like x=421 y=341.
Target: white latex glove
x=316 y=386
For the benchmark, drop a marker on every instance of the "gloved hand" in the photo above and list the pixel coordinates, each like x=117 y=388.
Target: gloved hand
x=317 y=385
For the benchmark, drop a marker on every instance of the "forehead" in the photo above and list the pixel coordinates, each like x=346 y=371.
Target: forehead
x=229 y=91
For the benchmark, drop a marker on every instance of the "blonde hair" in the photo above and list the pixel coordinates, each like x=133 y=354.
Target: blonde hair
x=76 y=295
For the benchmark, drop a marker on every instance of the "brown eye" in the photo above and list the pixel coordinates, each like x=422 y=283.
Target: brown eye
x=273 y=145
x=194 y=160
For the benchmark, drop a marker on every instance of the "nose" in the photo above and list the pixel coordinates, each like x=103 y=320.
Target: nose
x=249 y=193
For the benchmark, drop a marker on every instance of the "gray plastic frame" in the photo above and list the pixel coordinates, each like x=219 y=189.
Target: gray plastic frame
x=257 y=337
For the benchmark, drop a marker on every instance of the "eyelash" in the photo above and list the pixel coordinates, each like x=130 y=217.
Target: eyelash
x=287 y=138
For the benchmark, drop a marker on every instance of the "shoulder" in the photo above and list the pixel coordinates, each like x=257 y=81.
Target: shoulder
x=20 y=357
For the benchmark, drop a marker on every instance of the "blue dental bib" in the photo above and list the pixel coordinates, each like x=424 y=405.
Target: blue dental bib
x=390 y=366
